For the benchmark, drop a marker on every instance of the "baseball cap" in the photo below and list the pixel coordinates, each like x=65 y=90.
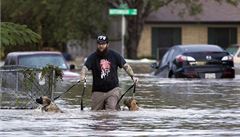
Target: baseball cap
x=102 y=39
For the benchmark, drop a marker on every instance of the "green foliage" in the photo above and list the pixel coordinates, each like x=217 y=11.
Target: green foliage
x=30 y=75
x=15 y=34
x=48 y=70
x=29 y=78
x=58 y=21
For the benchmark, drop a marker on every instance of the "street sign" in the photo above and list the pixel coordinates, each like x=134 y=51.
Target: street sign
x=122 y=11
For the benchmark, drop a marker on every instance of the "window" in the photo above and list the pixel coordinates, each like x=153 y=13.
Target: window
x=222 y=36
x=39 y=61
x=163 y=39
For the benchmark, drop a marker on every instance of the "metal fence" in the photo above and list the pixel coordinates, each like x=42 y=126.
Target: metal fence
x=19 y=87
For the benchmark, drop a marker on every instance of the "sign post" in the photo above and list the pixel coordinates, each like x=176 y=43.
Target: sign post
x=123 y=11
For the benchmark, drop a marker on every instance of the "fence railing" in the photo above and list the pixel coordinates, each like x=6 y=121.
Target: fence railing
x=20 y=86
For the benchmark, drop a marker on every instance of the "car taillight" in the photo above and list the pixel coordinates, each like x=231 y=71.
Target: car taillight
x=227 y=58
x=182 y=58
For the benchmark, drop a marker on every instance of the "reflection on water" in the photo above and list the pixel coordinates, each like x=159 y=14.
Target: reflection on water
x=169 y=107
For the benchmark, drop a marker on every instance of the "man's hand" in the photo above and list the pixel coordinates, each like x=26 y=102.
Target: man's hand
x=135 y=79
x=82 y=78
x=83 y=74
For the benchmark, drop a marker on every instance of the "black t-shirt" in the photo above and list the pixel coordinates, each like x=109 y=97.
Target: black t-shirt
x=104 y=70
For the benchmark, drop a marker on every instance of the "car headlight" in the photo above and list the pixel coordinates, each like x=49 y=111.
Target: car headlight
x=227 y=58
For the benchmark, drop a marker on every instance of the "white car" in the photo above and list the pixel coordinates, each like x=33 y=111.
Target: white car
x=235 y=51
x=39 y=59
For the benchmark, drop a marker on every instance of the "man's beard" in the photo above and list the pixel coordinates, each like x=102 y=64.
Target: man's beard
x=102 y=53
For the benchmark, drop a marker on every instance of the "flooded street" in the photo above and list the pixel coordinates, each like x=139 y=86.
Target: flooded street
x=169 y=107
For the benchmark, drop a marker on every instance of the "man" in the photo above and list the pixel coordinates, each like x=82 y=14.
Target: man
x=104 y=64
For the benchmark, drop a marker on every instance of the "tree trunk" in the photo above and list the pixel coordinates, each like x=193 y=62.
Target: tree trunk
x=135 y=26
x=134 y=29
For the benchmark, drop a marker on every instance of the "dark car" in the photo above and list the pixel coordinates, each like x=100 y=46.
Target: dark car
x=196 y=61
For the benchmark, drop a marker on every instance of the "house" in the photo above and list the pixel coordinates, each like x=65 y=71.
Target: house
x=218 y=23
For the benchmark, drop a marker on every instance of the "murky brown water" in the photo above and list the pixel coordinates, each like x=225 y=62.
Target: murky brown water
x=169 y=107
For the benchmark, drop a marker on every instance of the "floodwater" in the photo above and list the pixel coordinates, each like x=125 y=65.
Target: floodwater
x=169 y=107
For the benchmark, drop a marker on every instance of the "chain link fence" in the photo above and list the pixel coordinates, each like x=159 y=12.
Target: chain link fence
x=20 y=86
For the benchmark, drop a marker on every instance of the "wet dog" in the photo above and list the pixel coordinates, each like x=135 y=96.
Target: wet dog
x=48 y=105
x=131 y=104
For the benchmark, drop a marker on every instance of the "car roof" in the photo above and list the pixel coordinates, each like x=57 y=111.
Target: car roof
x=23 y=53
x=199 y=48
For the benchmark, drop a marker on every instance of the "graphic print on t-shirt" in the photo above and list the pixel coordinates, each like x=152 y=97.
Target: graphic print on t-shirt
x=105 y=68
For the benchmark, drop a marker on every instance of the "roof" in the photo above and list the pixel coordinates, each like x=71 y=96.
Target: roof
x=212 y=12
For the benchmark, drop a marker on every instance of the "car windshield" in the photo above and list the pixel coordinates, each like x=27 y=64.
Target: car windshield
x=232 y=50
x=39 y=61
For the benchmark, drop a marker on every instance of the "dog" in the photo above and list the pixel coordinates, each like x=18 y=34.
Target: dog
x=131 y=104
x=48 y=105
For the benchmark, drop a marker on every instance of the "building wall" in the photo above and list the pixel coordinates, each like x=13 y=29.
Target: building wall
x=191 y=34
x=194 y=34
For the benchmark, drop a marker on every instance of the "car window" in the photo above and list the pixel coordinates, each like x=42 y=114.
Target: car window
x=170 y=55
x=164 y=59
x=39 y=61
x=232 y=50
x=10 y=61
x=176 y=53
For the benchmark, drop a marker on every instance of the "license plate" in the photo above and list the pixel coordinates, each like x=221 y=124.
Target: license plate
x=200 y=63
x=210 y=75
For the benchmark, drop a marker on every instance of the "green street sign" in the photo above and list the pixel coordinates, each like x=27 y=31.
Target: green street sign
x=122 y=11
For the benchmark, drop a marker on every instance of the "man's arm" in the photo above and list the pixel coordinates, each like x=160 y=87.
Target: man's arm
x=128 y=69
x=83 y=73
x=130 y=72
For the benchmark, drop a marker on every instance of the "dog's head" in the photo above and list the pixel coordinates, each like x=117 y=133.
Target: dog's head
x=47 y=104
x=43 y=100
x=131 y=104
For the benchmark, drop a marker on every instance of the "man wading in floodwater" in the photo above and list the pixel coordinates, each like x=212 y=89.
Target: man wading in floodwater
x=104 y=64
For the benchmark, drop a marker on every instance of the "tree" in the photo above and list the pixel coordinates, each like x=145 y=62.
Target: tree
x=57 y=21
x=14 y=34
x=145 y=7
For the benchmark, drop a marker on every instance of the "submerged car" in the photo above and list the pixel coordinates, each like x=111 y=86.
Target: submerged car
x=235 y=51
x=39 y=59
x=196 y=61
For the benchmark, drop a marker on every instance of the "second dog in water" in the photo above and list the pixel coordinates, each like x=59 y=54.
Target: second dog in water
x=131 y=104
x=48 y=105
